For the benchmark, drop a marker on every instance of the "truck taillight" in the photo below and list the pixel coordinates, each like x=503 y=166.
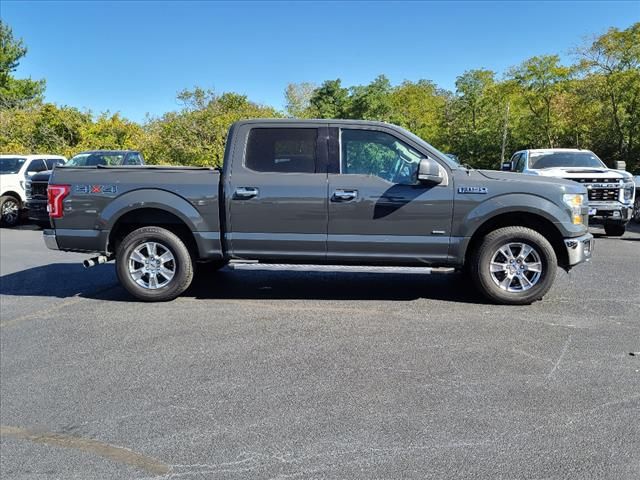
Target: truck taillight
x=55 y=195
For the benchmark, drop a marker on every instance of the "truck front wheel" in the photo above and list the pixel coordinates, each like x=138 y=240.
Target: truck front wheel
x=9 y=211
x=513 y=266
x=153 y=264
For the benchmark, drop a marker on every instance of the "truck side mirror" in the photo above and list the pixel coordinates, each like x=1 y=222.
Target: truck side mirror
x=429 y=172
x=506 y=166
x=621 y=165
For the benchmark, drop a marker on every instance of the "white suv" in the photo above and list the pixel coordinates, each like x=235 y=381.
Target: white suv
x=14 y=171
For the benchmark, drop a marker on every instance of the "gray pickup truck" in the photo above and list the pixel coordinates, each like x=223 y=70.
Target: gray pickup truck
x=322 y=192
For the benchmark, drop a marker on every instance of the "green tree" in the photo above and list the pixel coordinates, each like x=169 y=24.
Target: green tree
x=15 y=93
x=420 y=107
x=330 y=100
x=110 y=132
x=44 y=128
x=611 y=65
x=541 y=80
x=372 y=101
x=298 y=99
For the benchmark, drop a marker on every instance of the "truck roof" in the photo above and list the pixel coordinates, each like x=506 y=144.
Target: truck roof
x=313 y=121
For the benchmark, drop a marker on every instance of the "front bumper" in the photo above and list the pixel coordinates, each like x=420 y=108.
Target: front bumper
x=611 y=211
x=50 y=240
x=579 y=249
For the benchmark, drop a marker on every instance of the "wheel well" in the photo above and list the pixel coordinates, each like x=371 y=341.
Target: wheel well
x=146 y=217
x=13 y=194
x=530 y=220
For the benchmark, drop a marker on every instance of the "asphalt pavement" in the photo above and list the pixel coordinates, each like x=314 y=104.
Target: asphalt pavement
x=275 y=374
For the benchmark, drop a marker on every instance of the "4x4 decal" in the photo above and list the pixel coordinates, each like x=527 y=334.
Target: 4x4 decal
x=95 y=189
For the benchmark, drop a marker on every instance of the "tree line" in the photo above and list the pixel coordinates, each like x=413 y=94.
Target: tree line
x=592 y=103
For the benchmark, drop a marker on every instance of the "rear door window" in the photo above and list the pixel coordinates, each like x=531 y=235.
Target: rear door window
x=285 y=150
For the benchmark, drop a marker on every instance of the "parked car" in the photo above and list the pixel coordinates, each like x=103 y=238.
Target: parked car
x=611 y=192
x=332 y=192
x=15 y=170
x=36 y=186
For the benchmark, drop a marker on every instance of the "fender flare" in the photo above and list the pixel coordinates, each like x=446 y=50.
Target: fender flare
x=150 y=198
x=514 y=203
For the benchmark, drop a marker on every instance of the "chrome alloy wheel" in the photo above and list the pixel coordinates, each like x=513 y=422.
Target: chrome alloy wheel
x=10 y=212
x=516 y=267
x=152 y=265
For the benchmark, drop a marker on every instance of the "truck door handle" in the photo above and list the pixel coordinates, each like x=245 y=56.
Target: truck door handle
x=244 y=193
x=342 y=195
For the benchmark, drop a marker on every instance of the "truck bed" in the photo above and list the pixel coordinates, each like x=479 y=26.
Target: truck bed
x=101 y=197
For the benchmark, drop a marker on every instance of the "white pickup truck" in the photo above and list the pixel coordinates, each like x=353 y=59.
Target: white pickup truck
x=611 y=192
x=14 y=172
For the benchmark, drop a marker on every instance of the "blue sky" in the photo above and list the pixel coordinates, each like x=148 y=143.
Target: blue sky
x=133 y=57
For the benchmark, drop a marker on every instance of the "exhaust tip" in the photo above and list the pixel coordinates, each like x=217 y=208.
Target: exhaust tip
x=88 y=263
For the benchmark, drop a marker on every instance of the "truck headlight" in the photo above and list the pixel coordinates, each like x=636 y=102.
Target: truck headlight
x=575 y=202
x=629 y=188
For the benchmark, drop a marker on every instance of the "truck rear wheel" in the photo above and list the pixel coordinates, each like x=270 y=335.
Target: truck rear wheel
x=614 y=229
x=153 y=264
x=513 y=266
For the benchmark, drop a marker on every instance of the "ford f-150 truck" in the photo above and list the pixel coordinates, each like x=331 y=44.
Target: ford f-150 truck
x=610 y=192
x=322 y=192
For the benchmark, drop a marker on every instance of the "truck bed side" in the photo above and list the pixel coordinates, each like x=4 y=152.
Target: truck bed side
x=105 y=203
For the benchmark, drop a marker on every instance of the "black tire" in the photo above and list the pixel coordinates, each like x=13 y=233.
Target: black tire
x=614 y=229
x=13 y=204
x=181 y=264
x=487 y=281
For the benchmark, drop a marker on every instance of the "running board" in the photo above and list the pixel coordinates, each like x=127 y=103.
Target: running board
x=254 y=265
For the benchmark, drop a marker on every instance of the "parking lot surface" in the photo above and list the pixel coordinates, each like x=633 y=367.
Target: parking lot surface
x=275 y=374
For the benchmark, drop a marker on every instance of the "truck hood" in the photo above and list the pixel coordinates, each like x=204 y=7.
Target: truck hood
x=573 y=172
x=10 y=181
x=41 y=176
x=531 y=179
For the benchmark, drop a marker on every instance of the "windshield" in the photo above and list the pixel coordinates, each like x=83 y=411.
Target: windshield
x=586 y=159
x=11 y=165
x=430 y=147
x=93 y=159
x=453 y=157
